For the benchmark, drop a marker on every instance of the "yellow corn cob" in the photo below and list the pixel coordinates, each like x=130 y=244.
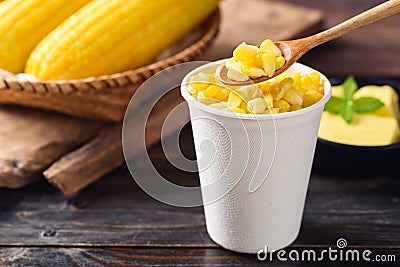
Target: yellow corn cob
x=23 y=23
x=112 y=36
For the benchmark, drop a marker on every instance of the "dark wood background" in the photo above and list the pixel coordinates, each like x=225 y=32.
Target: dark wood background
x=114 y=223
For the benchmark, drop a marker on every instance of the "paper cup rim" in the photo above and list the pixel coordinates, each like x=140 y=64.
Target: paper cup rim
x=189 y=98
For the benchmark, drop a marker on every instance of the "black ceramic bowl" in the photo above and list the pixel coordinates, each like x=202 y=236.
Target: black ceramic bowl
x=336 y=158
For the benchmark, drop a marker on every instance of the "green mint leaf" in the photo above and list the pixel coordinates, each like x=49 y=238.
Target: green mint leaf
x=334 y=104
x=347 y=113
x=349 y=87
x=367 y=104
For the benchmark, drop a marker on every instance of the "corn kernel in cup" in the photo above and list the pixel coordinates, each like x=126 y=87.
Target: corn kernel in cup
x=284 y=93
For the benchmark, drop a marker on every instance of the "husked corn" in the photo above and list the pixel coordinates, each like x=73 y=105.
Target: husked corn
x=278 y=95
x=23 y=23
x=106 y=37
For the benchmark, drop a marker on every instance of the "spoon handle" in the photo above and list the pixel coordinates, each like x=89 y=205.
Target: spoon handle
x=380 y=12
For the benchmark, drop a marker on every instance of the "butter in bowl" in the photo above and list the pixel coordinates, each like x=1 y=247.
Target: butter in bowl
x=359 y=133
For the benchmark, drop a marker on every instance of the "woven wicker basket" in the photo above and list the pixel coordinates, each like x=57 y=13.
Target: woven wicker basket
x=102 y=98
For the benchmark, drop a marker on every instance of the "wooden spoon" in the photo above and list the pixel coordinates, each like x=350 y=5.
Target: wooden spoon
x=293 y=50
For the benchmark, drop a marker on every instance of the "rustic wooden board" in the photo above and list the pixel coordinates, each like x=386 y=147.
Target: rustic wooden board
x=31 y=140
x=253 y=21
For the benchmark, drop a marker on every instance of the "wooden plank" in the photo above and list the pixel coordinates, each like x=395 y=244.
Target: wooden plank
x=50 y=256
x=80 y=168
x=31 y=140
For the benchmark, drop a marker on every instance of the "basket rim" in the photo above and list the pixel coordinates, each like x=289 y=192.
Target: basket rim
x=121 y=79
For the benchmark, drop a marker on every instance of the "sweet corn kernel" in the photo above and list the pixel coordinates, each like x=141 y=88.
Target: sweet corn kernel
x=237 y=76
x=297 y=80
x=283 y=105
x=212 y=91
x=199 y=82
x=219 y=105
x=207 y=101
x=246 y=54
x=306 y=83
x=238 y=110
x=222 y=95
x=283 y=86
x=311 y=97
x=198 y=86
x=257 y=105
x=316 y=78
x=268 y=60
x=269 y=100
x=275 y=111
x=279 y=62
x=321 y=87
x=247 y=91
x=259 y=61
x=264 y=86
x=200 y=95
x=293 y=96
x=234 y=64
x=234 y=100
x=253 y=72
x=269 y=46
x=295 y=107
x=243 y=106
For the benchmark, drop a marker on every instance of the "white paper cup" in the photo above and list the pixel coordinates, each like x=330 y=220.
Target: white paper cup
x=254 y=170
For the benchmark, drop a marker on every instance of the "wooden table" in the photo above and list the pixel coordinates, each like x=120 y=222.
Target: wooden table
x=114 y=223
